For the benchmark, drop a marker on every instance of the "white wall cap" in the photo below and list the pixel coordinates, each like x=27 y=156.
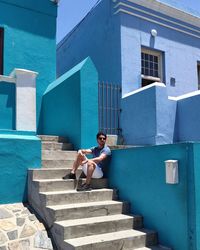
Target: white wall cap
x=173 y=161
x=158 y=84
x=18 y=71
x=169 y=10
x=7 y=79
x=194 y=93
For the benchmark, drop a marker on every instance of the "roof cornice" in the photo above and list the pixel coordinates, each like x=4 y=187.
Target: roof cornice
x=169 y=10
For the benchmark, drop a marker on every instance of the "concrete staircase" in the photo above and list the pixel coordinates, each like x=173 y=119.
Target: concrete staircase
x=82 y=220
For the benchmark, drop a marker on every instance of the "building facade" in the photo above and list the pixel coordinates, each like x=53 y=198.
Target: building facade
x=135 y=43
x=27 y=41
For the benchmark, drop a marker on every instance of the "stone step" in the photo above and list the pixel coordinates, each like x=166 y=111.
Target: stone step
x=70 y=229
x=53 y=138
x=56 y=146
x=57 y=163
x=127 y=239
x=72 y=196
x=87 y=210
x=58 y=155
x=47 y=185
x=50 y=173
x=159 y=247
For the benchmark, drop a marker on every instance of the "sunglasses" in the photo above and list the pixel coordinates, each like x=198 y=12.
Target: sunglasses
x=102 y=138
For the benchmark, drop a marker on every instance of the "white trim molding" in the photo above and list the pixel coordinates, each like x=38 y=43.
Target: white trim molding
x=7 y=79
x=169 y=11
x=184 y=20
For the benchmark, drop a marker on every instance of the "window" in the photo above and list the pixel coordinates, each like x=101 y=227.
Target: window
x=151 y=66
x=198 y=72
x=1 y=51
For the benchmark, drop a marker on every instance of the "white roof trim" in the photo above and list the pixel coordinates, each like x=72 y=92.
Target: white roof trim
x=168 y=10
x=194 y=93
x=159 y=84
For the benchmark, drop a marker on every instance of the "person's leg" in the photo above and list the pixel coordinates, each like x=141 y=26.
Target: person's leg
x=77 y=162
x=72 y=175
x=90 y=170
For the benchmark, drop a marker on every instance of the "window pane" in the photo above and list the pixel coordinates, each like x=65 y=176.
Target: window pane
x=155 y=59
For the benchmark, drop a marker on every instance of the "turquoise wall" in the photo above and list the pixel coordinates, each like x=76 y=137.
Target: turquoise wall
x=172 y=210
x=70 y=105
x=7 y=105
x=29 y=40
x=17 y=154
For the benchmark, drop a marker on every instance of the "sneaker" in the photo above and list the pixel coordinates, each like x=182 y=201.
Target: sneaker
x=84 y=187
x=69 y=176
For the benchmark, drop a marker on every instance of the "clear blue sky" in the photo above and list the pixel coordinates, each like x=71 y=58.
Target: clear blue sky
x=71 y=12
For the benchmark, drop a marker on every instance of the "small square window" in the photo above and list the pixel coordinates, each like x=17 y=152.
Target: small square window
x=151 y=69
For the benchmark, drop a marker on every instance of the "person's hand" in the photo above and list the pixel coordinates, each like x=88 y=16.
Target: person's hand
x=83 y=162
x=80 y=152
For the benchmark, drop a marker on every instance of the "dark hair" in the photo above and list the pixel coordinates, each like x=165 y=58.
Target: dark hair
x=101 y=133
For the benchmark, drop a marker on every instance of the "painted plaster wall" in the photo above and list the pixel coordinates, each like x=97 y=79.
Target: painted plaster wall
x=70 y=105
x=17 y=154
x=7 y=105
x=188 y=118
x=168 y=209
x=97 y=36
x=29 y=40
x=148 y=116
x=181 y=53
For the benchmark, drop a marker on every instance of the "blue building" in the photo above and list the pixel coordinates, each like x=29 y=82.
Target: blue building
x=134 y=44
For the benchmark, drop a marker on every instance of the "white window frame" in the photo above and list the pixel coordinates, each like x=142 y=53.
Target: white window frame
x=160 y=64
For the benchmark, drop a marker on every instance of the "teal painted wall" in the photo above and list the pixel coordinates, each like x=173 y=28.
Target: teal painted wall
x=7 y=105
x=17 y=154
x=172 y=210
x=70 y=105
x=29 y=40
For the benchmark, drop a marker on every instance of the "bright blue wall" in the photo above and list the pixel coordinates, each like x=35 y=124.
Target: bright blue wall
x=70 y=105
x=149 y=117
x=7 y=105
x=114 y=43
x=135 y=32
x=139 y=175
x=17 y=154
x=97 y=36
x=29 y=40
x=188 y=119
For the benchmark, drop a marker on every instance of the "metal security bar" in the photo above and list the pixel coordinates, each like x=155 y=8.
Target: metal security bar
x=109 y=108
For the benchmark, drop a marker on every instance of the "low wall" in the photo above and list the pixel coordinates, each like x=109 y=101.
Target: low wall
x=70 y=105
x=17 y=154
x=171 y=209
x=148 y=116
x=188 y=118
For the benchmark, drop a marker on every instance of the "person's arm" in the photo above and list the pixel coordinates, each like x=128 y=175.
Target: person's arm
x=99 y=158
x=85 y=151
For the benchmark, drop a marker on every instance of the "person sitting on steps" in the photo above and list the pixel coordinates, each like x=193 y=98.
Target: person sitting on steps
x=92 y=168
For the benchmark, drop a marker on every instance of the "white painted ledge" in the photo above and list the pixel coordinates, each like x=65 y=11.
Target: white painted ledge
x=177 y=98
x=7 y=79
x=158 y=84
